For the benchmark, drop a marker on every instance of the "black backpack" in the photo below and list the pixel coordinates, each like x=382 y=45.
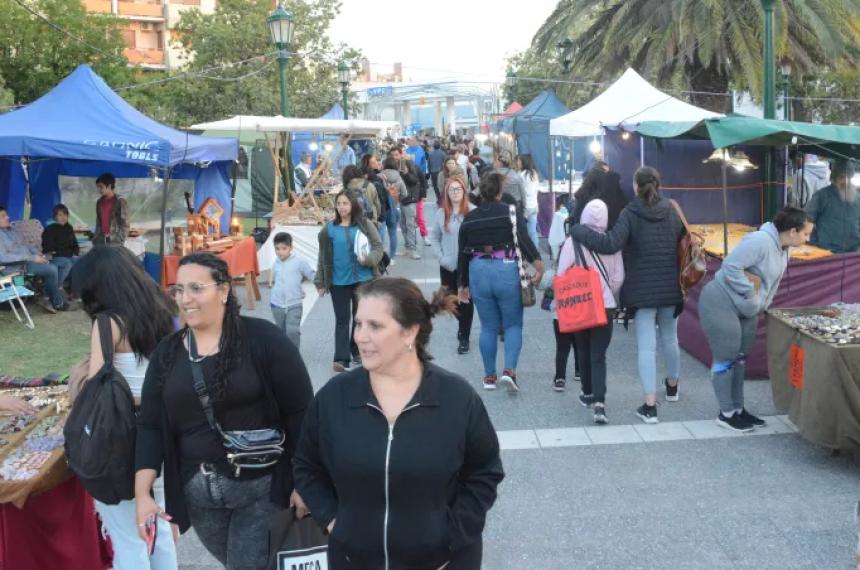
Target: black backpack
x=101 y=429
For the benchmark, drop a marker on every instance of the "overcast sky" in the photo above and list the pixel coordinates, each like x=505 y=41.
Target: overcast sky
x=440 y=39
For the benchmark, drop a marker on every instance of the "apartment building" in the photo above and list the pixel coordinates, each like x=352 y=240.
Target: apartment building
x=148 y=25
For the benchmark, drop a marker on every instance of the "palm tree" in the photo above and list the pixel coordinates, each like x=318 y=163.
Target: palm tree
x=702 y=45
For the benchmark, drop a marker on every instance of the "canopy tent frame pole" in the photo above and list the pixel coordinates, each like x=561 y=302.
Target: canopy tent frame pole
x=570 y=171
x=161 y=242
x=641 y=151
x=551 y=164
x=725 y=208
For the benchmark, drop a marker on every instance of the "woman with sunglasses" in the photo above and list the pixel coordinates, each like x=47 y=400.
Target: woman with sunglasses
x=256 y=380
x=445 y=239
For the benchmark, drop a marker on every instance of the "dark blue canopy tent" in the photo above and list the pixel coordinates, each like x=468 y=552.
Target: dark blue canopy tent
x=301 y=141
x=83 y=128
x=530 y=126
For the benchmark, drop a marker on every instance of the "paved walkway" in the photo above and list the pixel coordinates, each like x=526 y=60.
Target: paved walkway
x=682 y=494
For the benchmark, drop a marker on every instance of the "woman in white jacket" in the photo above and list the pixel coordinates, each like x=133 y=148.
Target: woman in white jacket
x=444 y=238
x=591 y=344
x=531 y=180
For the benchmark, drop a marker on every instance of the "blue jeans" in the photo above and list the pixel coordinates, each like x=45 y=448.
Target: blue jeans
x=388 y=232
x=646 y=323
x=531 y=221
x=495 y=289
x=50 y=273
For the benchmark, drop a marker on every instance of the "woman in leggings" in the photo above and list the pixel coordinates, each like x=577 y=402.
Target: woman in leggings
x=729 y=307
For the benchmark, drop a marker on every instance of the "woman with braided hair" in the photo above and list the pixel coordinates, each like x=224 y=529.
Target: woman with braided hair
x=255 y=380
x=398 y=460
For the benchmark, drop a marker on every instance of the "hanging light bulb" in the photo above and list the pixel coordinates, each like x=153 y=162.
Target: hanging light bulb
x=594 y=147
x=855 y=180
x=328 y=147
x=740 y=162
x=625 y=135
x=313 y=146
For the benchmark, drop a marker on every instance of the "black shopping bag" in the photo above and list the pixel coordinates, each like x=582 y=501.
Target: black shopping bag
x=296 y=543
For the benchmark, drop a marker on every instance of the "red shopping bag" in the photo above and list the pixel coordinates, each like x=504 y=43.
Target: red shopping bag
x=579 y=296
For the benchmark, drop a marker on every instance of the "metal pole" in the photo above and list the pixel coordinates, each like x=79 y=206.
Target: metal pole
x=166 y=184
x=641 y=150
x=344 y=87
x=551 y=164
x=725 y=209
x=570 y=172
x=769 y=93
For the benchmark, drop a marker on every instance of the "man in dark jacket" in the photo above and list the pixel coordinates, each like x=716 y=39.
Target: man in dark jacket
x=435 y=163
x=414 y=181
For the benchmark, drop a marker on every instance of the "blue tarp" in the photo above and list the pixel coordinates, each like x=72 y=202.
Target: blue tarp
x=301 y=141
x=83 y=128
x=530 y=126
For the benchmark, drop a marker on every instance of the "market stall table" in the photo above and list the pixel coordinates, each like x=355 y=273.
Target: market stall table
x=814 y=283
x=817 y=383
x=241 y=262
x=546 y=201
x=713 y=235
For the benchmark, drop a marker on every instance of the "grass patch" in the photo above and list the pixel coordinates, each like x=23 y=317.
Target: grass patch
x=57 y=343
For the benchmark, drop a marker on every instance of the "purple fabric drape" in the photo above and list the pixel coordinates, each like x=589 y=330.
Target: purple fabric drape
x=805 y=284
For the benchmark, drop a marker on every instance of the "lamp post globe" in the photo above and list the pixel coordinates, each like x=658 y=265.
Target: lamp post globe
x=281 y=27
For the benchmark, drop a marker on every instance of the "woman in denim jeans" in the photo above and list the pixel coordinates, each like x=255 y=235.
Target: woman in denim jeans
x=648 y=230
x=256 y=379
x=489 y=276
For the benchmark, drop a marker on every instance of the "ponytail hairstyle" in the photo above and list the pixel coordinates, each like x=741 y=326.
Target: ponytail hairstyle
x=230 y=346
x=410 y=308
x=647 y=185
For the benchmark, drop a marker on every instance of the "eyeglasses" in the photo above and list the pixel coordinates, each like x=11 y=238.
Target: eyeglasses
x=452 y=187
x=193 y=289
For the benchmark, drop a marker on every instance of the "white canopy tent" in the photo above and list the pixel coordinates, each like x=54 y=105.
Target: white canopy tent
x=626 y=103
x=260 y=124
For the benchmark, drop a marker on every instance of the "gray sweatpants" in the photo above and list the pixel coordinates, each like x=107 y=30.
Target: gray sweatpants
x=730 y=337
x=289 y=320
x=407 y=225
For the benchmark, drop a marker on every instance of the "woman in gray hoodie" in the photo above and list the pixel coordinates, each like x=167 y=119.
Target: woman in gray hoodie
x=445 y=240
x=729 y=307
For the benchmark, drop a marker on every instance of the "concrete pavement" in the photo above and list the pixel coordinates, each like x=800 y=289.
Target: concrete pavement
x=678 y=495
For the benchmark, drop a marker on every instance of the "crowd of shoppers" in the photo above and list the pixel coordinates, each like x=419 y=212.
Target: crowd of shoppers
x=395 y=457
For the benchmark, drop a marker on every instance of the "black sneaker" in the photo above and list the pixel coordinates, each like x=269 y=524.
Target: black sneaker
x=735 y=423
x=463 y=346
x=754 y=420
x=648 y=414
x=559 y=384
x=586 y=400
x=671 y=391
x=600 y=415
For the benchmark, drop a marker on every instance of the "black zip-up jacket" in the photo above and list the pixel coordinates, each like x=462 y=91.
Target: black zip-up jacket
x=649 y=236
x=489 y=226
x=434 y=473
x=60 y=241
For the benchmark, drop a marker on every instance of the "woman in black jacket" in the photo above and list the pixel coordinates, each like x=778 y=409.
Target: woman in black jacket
x=489 y=276
x=398 y=460
x=256 y=379
x=648 y=230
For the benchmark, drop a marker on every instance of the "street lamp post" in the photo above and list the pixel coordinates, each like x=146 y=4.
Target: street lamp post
x=786 y=85
x=281 y=28
x=769 y=93
x=343 y=76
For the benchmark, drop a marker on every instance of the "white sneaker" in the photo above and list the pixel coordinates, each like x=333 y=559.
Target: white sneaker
x=391 y=264
x=415 y=255
x=427 y=242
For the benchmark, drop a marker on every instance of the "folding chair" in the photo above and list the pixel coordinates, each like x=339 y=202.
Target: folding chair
x=9 y=293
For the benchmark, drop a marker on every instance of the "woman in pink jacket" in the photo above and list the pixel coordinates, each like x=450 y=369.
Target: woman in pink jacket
x=591 y=344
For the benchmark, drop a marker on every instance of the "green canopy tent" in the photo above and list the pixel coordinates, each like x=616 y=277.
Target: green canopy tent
x=835 y=141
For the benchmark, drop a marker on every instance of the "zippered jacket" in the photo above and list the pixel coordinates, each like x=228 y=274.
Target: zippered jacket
x=410 y=495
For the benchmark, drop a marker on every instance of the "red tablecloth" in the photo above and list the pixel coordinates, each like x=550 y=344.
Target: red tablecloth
x=805 y=284
x=57 y=529
x=241 y=259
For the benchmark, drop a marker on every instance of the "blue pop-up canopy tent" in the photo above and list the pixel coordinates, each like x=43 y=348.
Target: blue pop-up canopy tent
x=83 y=128
x=530 y=126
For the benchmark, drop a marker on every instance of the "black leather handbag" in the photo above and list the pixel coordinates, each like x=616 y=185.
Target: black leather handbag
x=246 y=449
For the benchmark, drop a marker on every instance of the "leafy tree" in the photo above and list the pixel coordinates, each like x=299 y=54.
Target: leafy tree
x=34 y=56
x=530 y=66
x=701 y=45
x=829 y=97
x=236 y=32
